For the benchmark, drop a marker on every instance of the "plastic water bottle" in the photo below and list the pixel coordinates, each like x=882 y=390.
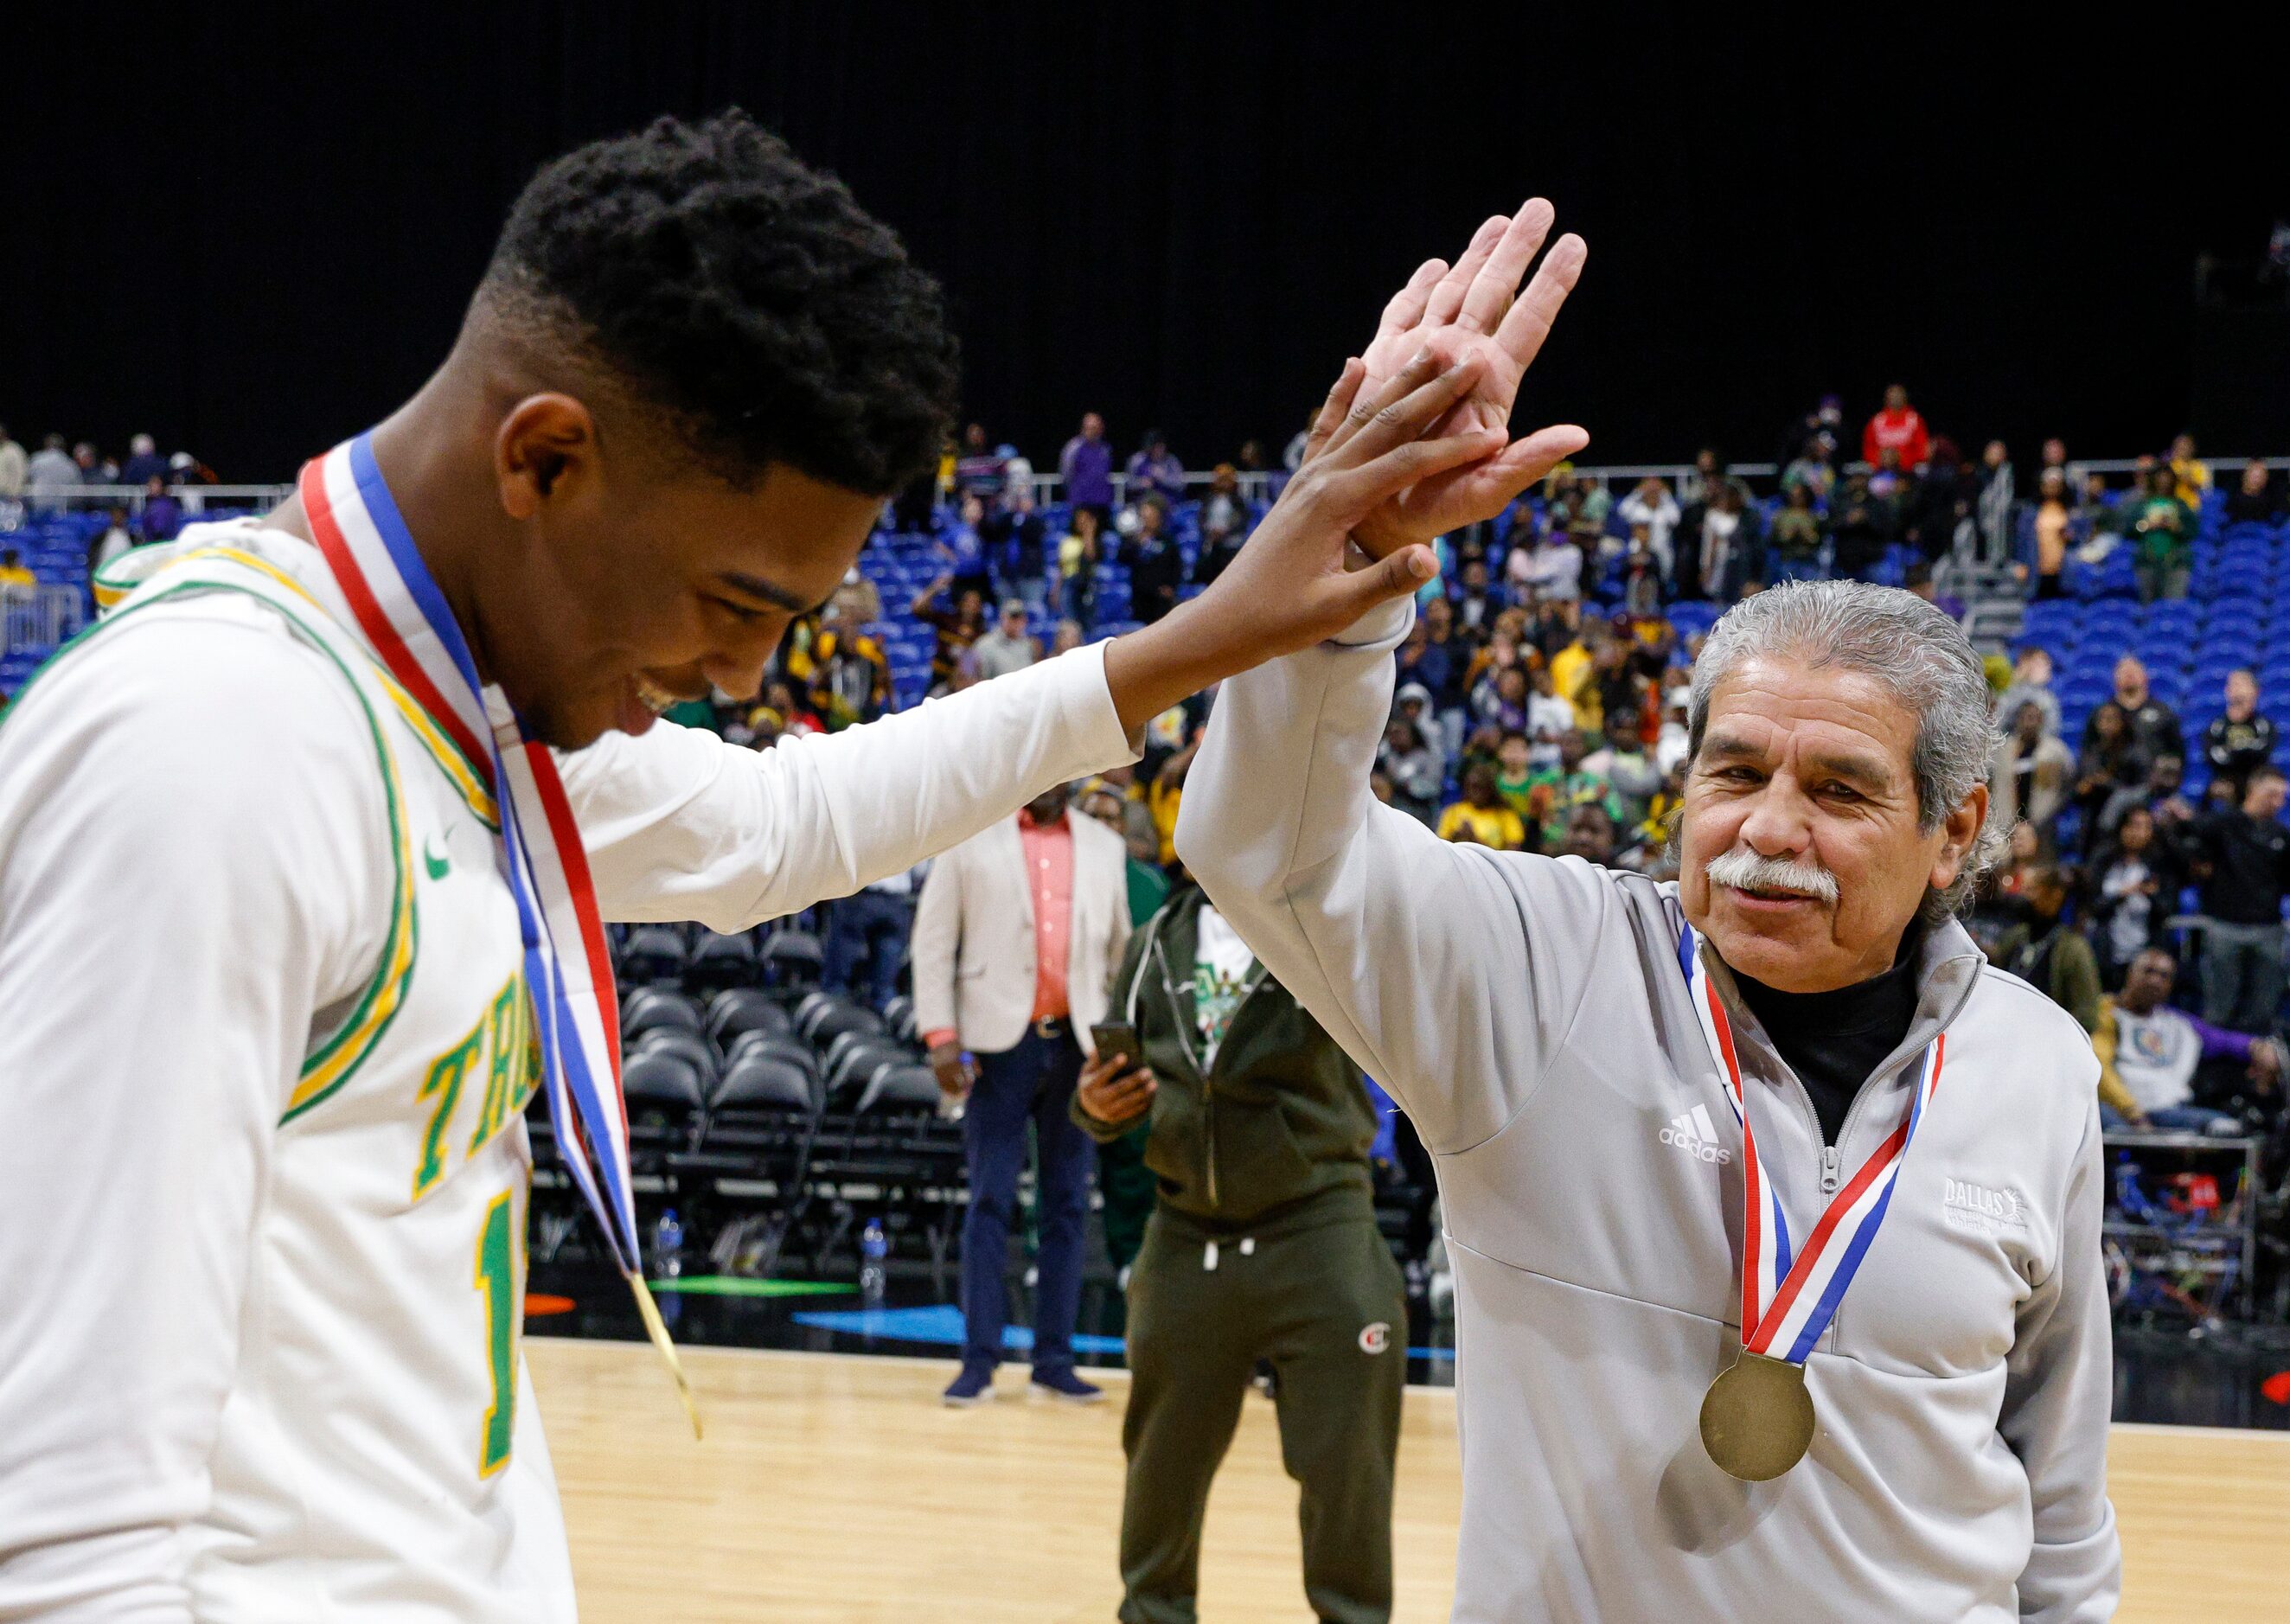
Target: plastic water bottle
x=668 y=1245
x=874 y=1247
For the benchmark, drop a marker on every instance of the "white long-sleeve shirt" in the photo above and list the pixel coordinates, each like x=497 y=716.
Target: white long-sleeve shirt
x=1531 y=1017
x=262 y=1061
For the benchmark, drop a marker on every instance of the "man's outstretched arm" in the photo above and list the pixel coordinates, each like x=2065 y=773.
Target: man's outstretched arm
x=1426 y=961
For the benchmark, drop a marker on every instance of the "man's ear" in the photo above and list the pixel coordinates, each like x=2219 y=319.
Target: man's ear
x=544 y=448
x=1959 y=833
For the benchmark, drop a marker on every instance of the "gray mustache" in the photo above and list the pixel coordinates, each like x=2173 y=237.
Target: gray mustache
x=1741 y=870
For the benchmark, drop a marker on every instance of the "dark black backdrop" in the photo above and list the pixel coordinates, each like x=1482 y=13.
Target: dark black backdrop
x=251 y=238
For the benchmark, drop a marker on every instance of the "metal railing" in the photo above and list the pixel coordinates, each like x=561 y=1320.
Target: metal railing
x=39 y=617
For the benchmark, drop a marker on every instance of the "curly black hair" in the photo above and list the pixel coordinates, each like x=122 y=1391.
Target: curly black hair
x=742 y=291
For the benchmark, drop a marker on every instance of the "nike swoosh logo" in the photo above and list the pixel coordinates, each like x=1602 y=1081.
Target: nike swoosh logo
x=438 y=866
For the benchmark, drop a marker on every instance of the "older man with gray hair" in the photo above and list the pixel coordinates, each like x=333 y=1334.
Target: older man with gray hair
x=1774 y=1209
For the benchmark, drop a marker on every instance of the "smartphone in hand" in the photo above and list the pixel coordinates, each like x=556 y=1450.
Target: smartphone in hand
x=1118 y=1037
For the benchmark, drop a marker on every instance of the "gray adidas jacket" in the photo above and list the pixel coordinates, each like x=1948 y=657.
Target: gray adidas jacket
x=1531 y=1017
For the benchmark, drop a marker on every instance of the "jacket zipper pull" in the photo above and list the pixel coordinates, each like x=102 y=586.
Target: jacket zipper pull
x=1829 y=1170
x=1208 y=1258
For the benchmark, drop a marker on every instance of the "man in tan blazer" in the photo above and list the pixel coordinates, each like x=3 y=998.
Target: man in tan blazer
x=1016 y=938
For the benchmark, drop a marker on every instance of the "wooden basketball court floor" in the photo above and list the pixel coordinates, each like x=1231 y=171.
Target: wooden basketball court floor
x=835 y=1489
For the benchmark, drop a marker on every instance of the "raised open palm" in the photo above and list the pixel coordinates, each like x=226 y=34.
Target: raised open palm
x=1474 y=309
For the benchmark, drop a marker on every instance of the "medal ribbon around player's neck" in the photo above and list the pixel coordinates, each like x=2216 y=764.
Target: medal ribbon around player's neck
x=1789 y=1299
x=567 y=968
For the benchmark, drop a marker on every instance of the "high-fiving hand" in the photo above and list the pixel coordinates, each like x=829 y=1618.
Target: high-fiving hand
x=1473 y=309
x=1412 y=443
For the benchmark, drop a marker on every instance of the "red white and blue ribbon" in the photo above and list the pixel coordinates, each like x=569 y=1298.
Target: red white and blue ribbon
x=405 y=617
x=1788 y=1300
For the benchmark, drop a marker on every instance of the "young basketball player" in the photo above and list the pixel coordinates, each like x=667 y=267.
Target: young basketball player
x=305 y=847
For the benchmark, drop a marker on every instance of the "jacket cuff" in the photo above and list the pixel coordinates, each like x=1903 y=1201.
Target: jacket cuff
x=1385 y=626
x=932 y=1039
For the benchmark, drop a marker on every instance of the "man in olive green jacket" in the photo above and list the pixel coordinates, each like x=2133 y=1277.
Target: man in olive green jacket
x=1262 y=1245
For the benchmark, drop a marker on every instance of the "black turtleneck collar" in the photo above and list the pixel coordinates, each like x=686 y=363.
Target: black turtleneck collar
x=1834 y=1040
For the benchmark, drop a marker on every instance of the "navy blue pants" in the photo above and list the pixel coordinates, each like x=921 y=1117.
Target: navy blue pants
x=875 y=924
x=1033 y=1082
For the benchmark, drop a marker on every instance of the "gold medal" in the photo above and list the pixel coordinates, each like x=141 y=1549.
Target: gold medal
x=1757 y=1418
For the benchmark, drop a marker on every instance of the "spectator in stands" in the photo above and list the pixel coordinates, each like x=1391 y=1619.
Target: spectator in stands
x=1157 y=568
x=1078 y=552
x=1918 y=579
x=1478 y=600
x=163 y=515
x=1591 y=835
x=2154 y=725
x=1086 y=469
x=2239 y=742
x=1549 y=715
x=1898 y=428
x=872 y=924
x=1009 y=646
x=1016 y=938
x=1452 y=694
x=1797 y=534
x=143 y=462
x=2054 y=460
x=1500 y=699
x=2160 y=794
x=94 y=467
x=849 y=676
x=958 y=625
x=1652 y=505
x=1013 y=536
x=1224 y=523
x=15 y=579
x=51 y=477
x=1548 y=569
x=1413 y=764
x=2047 y=954
x=1164 y=791
x=1811 y=469
x=1642 y=575
x=1995 y=503
x=1483 y=815
x=982 y=470
x=1825 y=421
x=1576 y=788
x=1285 y=1264
x=1729 y=546
x=2190 y=475
x=1148 y=882
x=2148 y=1053
x=2053 y=519
x=1155 y=469
x=964 y=549
x=2134 y=888
x=1941 y=501
x=1700 y=483
x=2258 y=499
x=796 y=717
x=2033 y=773
x=1628 y=769
x=2097 y=513
x=117 y=538
x=1424 y=663
x=1858 y=530
x=15 y=467
x=1416 y=704
x=857 y=599
x=2246 y=852
x=2106 y=767
x=2162 y=529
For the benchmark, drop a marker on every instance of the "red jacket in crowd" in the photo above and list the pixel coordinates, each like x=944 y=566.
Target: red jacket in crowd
x=1903 y=431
